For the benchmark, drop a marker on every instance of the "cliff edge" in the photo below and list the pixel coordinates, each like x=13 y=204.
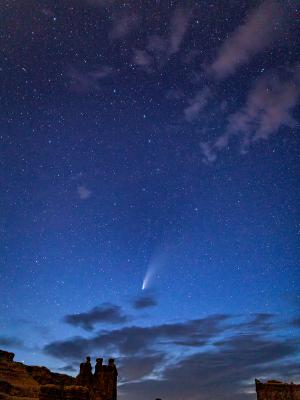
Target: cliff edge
x=22 y=382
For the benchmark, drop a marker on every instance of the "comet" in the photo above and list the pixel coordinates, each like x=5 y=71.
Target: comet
x=148 y=277
x=156 y=262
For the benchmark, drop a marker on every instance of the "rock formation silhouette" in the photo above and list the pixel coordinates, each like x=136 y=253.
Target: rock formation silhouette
x=276 y=390
x=20 y=381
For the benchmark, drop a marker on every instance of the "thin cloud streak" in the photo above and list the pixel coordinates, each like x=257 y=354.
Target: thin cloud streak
x=83 y=192
x=197 y=104
x=160 y=48
x=257 y=33
x=124 y=24
x=85 y=82
x=268 y=108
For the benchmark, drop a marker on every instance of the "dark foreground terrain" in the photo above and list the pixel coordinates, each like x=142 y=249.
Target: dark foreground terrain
x=23 y=382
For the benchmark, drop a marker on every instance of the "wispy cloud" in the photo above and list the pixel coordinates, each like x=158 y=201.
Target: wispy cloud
x=85 y=82
x=257 y=33
x=83 y=192
x=179 y=25
x=268 y=107
x=170 y=44
x=160 y=48
x=124 y=23
x=197 y=104
x=102 y=3
x=208 y=152
x=143 y=59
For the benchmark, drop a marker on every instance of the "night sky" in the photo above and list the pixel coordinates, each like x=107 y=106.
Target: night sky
x=150 y=191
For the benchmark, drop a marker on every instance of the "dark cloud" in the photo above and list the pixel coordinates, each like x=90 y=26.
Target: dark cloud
x=225 y=373
x=222 y=356
x=68 y=368
x=259 y=322
x=296 y=322
x=7 y=341
x=135 y=340
x=144 y=302
x=107 y=313
x=74 y=348
x=134 y=368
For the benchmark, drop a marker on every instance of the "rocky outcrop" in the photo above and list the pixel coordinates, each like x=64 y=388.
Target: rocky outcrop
x=276 y=390
x=23 y=382
x=15 y=381
x=51 y=392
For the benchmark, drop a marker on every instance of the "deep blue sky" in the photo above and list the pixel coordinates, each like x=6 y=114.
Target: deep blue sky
x=152 y=144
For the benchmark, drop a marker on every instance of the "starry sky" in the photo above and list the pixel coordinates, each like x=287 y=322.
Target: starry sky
x=150 y=191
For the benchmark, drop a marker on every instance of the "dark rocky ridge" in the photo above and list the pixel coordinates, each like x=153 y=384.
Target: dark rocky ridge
x=23 y=382
x=276 y=390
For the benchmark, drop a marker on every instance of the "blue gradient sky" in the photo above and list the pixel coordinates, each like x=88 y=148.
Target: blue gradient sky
x=152 y=136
